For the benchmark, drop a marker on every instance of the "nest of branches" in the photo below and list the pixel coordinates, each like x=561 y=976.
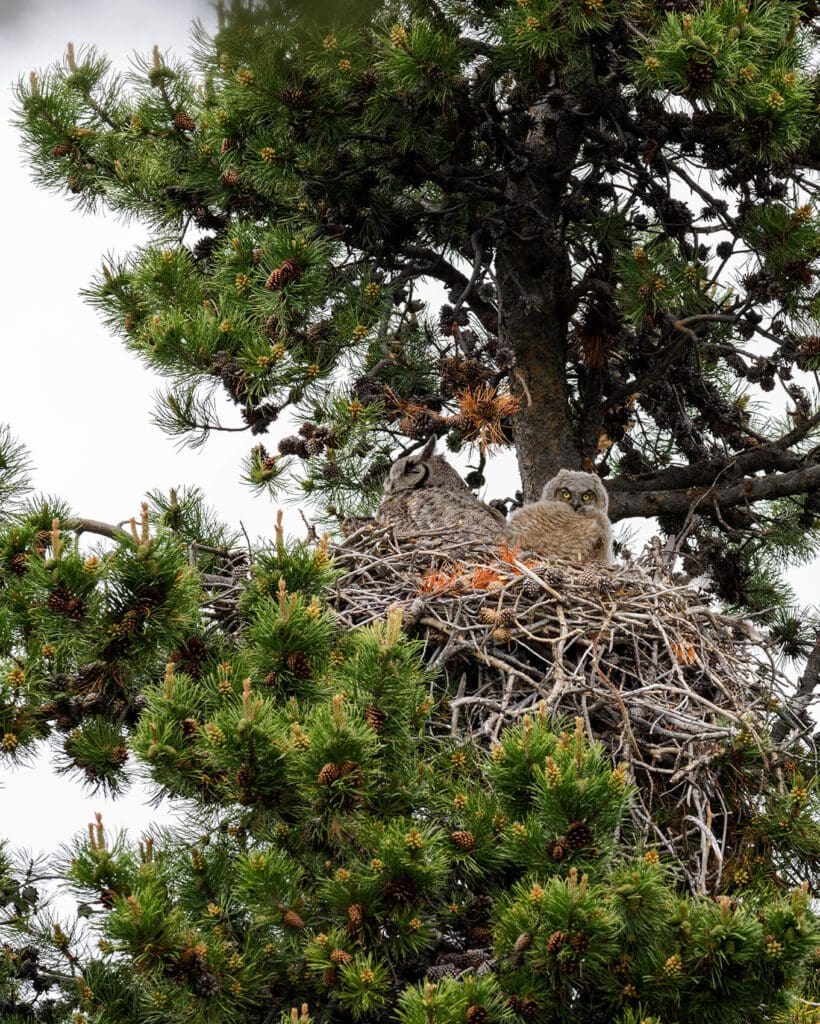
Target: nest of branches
x=683 y=694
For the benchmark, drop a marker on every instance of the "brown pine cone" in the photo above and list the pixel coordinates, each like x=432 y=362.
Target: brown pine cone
x=579 y=835
x=463 y=839
x=230 y=177
x=374 y=717
x=184 y=122
x=355 y=915
x=292 y=919
x=299 y=664
x=476 y=1014
x=328 y=774
x=560 y=849
x=339 y=957
x=555 y=941
x=58 y=599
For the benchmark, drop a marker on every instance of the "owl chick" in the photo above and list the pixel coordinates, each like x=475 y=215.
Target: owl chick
x=570 y=521
x=425 y=499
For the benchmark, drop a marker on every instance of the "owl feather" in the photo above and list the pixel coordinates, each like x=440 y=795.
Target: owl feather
x=569 y=521
x=426 y=500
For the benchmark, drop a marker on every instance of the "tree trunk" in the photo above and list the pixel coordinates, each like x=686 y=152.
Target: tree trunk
x=534 y=278
x=533 y=287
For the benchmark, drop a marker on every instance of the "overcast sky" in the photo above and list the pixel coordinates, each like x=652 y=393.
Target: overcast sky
x=74 y=395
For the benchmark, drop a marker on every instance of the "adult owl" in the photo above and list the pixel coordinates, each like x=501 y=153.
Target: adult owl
x=570 y=521
x=426 y=500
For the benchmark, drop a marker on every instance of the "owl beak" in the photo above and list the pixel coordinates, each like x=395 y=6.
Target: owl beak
x=576 y=504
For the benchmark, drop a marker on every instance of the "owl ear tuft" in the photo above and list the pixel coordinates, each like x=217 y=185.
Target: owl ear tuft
x=427 y=450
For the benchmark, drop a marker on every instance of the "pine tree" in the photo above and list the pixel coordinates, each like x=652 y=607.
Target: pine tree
x=312 y=184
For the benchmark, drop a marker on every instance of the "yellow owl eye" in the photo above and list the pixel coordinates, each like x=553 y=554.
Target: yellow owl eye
x=566 y=495
x=586 y=496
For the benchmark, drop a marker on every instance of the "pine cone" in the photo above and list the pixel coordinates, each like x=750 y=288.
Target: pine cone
x=579 y=835
x=245 y=776
x=58 y=599
x=227 y=145
x=523 y=942
x=339 y=957
x=476 y=1014
x=555 y=941
x=18 y=564
x=554 y=576
x=418 y=424
x=699 y=74
x=529 y=1008
x=61 y=149
x=292 y=919
x=487 y=616
x=355 y=915
x=298 y=664
x=560 y=849
x=184 y=122
x=293 y=446
x=402 y=890
x=375 y=717
x=328 y=774
x=579 y=942
x=282 y=275
x=230 y=177
x=118 y=756
x=368 y=389
x=506 y=617
x=292 y=96
x=463 y=839
x=330 y=470
x=205 y=984
x=329 y=977
x=531 y=588
x=501 y=635
x=314 y=446
x=190 y=727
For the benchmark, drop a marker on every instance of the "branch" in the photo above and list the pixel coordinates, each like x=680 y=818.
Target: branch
x=625 y=503
x=80 y=525
x=434 y=265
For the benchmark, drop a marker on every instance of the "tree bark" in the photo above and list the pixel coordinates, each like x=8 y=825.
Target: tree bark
x=534 y=276
x=533 y=325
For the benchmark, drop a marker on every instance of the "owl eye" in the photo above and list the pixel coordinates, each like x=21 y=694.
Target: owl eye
x=566 y=495
x=586 y=496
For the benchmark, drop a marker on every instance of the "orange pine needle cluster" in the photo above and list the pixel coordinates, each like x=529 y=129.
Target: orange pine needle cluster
x=459 y=577
x=482 y=413
x=684 y=652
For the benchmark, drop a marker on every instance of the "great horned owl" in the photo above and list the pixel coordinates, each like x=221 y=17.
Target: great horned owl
x=570 y=520
x=425 y=499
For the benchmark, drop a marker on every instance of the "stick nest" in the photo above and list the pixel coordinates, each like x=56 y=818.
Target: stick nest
x=680 y=692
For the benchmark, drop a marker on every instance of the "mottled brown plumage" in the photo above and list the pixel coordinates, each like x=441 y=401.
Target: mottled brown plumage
x=570 y=521
x=425 y=500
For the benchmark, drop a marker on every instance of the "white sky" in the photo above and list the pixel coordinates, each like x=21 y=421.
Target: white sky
x=72 y=393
